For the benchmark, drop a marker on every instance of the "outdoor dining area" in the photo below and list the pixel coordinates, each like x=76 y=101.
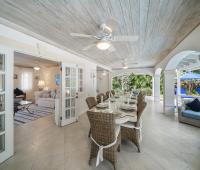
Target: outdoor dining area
x=114 y=117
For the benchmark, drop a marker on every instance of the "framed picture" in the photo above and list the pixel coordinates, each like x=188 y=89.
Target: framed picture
x=15 y=76
x=57 y=79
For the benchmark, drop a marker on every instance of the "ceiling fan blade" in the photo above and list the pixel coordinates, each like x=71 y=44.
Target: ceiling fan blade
x=120 y=68
x=112 y=23
x=81 y=35
x=88 y=47
x=125 y=38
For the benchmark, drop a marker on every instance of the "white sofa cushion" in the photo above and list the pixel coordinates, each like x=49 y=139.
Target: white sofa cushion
x=46 y=102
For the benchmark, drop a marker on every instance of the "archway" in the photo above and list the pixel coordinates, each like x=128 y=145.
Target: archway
x=178 y=62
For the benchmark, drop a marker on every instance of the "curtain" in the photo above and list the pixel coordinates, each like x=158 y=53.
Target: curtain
x=26 y=79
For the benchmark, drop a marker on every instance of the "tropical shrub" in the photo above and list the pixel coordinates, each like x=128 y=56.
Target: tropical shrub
x=133 y=81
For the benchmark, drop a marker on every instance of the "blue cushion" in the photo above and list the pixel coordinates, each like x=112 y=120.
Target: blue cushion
x=191 y=114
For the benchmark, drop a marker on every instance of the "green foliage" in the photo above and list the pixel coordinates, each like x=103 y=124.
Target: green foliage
x=116 y=83
x=133 y=81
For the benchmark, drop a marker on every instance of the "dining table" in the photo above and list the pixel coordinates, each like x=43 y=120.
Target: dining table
x=125 y=108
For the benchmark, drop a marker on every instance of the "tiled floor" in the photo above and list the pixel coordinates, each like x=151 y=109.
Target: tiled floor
x=166 y=145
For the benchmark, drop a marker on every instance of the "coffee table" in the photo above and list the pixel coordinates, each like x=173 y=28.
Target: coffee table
x=24 y=105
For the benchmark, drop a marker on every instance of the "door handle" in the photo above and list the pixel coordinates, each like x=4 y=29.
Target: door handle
x=76 y=95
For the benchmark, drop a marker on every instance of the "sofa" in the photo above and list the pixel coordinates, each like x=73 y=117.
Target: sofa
x=45 y=98
x=188 y=116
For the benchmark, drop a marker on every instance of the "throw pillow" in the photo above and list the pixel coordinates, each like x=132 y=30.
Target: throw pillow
x=18 y=92
x=194 y=105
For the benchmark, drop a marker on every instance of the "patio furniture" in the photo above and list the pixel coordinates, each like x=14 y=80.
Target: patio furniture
x=140 y=97
x=132 y=130
x=113 y=92
x=91 y=102
x=99 y=97
x=109 y=94
x=105 y=136
x=188 y=116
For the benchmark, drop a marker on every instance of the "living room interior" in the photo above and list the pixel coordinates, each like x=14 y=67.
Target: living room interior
x=36 y=84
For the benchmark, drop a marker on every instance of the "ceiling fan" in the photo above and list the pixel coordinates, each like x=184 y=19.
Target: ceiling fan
x=104 y=38
x=125 y=65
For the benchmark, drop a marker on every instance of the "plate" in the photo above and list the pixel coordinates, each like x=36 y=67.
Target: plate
x=130 y=102
x=102 y=105
x=127 y=107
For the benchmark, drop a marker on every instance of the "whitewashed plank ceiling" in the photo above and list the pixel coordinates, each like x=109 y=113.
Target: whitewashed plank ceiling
x=160 y=25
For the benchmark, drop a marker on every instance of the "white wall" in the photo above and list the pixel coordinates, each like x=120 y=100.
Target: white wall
x=25 y=44
x=102 y=82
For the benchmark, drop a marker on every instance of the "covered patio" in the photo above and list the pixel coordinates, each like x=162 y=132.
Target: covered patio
x=115 y=92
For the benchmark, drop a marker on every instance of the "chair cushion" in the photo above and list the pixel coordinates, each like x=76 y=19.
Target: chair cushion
x=191 y=114
x=194 y=105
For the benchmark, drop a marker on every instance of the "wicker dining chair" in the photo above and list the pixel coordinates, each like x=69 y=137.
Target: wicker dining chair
x=103 y=131
x=133 y=134
x=108 y=93
x=113 y=92
x=140 y=97
x=99 y=97
x=91 y=102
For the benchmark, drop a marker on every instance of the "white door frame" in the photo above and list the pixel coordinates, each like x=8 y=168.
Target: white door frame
x=65 y=120
x=9 y=125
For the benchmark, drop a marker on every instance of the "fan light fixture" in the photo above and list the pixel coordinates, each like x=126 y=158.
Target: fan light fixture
x=125 y=67
x=103 y=45
x=36 y=68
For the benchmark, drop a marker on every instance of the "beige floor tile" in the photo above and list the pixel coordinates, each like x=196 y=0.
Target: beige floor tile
x=167 y=145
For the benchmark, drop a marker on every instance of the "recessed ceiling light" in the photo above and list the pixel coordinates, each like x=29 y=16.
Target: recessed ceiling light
x=125 y=67
x=36 y=68
x=103 y=45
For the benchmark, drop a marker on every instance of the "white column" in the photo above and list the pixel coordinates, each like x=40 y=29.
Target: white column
x=110 y=75
x=169 y=91
x=156 y=87
x=178 y=93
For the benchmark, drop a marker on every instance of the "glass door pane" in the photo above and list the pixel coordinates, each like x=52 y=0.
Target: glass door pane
x=2 y=62
x=2 y=102
x=69 y=97
x=2 y=123
x=2 y=143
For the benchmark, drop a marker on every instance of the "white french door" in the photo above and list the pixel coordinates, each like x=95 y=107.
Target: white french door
x=6 y=103
x=69 y=94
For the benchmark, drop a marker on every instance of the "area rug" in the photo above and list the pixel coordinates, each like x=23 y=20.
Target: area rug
x=23 y=116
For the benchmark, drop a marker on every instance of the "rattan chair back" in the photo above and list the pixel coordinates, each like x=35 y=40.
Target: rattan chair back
x=99 y=97
x=113 y=92
x=140 y=108
x=102 y=127
x=91 y=102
